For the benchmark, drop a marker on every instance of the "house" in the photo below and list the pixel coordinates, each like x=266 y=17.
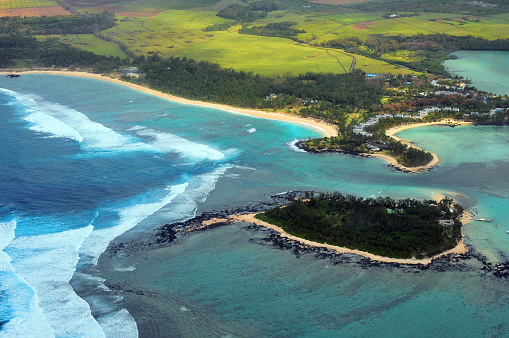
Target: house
x=446 y=222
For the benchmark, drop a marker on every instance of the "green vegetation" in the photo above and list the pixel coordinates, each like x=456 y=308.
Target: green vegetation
x=279 y=37
x=16 y=49
x=7 y=4
x=279 y=29
x=425 y=53
x=208 y=81
x=382 y=226
x=77 y=24
x=88 y=42
x=241 y=13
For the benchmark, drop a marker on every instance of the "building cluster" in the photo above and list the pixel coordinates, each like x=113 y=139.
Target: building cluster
x=131 y=71
x=359 y=129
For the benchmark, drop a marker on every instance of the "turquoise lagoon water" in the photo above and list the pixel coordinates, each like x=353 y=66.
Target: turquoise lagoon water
x=488 y=71
x=84 y=161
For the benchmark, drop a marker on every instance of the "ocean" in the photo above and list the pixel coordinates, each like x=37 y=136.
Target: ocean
x=85 y=161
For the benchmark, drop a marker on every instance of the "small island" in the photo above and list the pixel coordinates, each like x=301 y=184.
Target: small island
x=401 y=229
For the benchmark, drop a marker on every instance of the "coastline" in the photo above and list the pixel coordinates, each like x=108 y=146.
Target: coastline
x=325 y=128
x=392 y=133
x=460 y=248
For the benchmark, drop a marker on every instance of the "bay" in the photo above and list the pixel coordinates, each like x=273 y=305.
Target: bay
x=488 y=70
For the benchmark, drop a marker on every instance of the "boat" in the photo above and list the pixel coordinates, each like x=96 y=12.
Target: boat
x=507 y=232
x=496 y=226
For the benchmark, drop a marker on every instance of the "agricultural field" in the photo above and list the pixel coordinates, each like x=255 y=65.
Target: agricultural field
x=7 y=4
x=34 y=12
x=180 y=33
x=31 y=8
x=427 y=24
x=177 y=28
x=89 y=43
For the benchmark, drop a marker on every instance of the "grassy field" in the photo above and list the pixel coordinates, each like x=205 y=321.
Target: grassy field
x=489 y=28
x=176 y=28
x=89 y=43
x=180 y=33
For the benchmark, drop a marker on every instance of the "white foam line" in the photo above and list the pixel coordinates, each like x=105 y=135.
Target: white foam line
x=130 y=216
x=25 y=316
x=186 y=149
x=6 y=236
x=47 y=263
x=293 y=146
x=58 y=120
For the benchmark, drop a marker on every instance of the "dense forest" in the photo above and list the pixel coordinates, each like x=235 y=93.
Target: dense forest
x=84 y=23
x=241 y=13
x=208 y=81
x=351 y=143
x=51 y=52
x=383 y=226
x=277 y=29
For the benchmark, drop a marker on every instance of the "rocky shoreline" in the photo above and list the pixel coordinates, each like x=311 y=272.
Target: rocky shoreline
x=301 y=145
x=167 y=234
x=396 y=167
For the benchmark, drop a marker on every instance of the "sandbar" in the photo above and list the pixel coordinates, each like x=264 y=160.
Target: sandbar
x=325 y=128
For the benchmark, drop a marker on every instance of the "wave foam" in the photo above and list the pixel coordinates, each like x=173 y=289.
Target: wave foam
x=98 y=241
x=6 y=236
x=293 y=146
x=58 y=120
x=186 y=149
x=47 y=263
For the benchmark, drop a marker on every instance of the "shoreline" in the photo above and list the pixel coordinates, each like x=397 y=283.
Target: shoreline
x=460 y=248
x=394 y=130
x=325 y=128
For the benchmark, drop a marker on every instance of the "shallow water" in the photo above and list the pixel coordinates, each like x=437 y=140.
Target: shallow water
x=84 y=161
x=488 y=70
x=228 y=282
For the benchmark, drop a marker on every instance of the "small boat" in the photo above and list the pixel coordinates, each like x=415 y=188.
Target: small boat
x=496 y=226
x=507 y=232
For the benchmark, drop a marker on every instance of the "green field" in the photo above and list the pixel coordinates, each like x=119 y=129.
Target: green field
x=89 y=43
x=8 y=4
x=180 y=33
x=427 y=24
x=178 y=30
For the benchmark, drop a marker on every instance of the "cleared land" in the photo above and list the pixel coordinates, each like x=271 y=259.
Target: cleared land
x=181 y=33
x=89 y=43
x=8 y=4
x=31 y=8
x=34 y=12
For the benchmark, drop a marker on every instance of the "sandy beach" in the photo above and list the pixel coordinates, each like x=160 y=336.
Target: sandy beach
x=460 y=248
x=392 y=133
x=325 y=128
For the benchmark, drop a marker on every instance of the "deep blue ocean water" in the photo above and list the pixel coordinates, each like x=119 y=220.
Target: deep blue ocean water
x=83 y=161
